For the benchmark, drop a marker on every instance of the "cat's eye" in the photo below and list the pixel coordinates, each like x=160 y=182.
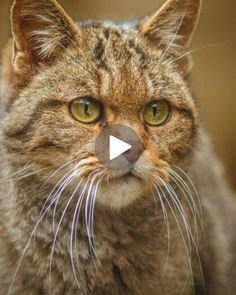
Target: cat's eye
x=86 y=110
x=157 y=112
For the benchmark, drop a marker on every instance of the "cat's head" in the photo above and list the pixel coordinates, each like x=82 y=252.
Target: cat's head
x=64 y=82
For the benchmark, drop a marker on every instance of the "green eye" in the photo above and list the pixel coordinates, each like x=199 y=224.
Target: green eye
x=86 y=110
x=157 y=112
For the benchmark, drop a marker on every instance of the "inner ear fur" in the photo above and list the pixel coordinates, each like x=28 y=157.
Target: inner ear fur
x=41 y=30
x=171 y=28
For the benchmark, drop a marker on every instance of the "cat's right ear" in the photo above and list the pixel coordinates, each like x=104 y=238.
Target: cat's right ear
x=41 y=31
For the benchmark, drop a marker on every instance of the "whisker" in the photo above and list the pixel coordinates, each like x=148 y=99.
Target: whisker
x=41 y=216
x=58 y=227
x=26 y=175
x=167 y=224
x=193 y=51
x=198 y=207
x=193 y=186
x=187 y=244
x=190 y=237
x=55 y=172
x=58 y=195
x=53 y=194
x=74 y=224
x=78 y=205
x=178 y=206
x=191 y=205
x=24 y=252
x=93 y=207
x=89 y=221
x=175 y=34
x=9 y=177
x=87 y=209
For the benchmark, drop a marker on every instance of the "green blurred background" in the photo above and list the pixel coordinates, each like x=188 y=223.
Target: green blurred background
x=214 y=76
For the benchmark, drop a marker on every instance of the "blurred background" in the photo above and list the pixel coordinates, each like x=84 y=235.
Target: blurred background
x=214 y=79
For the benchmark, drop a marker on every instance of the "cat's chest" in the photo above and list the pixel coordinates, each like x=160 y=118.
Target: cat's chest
x=122 y=256
x=125 y=253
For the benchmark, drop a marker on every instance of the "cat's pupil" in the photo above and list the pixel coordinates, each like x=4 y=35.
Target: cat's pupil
x=86 y=109
x=154 y=110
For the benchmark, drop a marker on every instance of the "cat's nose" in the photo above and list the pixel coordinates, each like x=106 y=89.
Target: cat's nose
x=134 y=153
x=118 y=147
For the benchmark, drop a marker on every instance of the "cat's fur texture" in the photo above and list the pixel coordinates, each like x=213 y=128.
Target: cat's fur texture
x=50 y=62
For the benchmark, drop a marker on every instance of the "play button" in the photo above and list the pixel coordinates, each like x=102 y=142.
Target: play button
x=118 y=147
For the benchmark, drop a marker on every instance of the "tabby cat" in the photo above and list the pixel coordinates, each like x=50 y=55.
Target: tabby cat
x=69 y=225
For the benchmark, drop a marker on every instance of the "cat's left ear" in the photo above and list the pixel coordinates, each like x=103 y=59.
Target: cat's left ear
x=171 y=28
x=41 y=30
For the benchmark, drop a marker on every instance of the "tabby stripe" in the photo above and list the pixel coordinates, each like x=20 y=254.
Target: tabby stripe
x=107 y=33
x=137 y=50
x=35 y=116
x=100 y=56
x=100 y=49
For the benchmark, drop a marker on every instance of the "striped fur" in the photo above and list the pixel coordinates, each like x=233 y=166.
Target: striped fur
x=50 y=62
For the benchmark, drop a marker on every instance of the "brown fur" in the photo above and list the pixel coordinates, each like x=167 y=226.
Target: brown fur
x=49 y=63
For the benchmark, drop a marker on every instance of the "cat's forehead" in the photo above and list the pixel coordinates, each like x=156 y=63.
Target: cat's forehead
x=115 y=65
x=130 y=62
x=108 y=24
x=115 y=53
x=122 y=42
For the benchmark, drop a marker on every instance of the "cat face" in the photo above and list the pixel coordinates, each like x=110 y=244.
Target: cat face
x=135 y=75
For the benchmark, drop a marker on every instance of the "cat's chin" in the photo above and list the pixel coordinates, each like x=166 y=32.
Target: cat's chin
x=121 y=192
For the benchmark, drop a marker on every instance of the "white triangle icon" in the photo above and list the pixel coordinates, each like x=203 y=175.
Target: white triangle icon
x=117 y=147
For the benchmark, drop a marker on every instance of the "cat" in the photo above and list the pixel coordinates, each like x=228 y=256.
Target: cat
x=166 y=226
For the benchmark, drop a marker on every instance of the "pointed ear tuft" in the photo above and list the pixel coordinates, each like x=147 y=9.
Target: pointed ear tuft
x=171 y=28
x=41 y=30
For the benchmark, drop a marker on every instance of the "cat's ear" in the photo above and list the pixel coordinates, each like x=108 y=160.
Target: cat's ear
x=171 y=28
x=41 y=30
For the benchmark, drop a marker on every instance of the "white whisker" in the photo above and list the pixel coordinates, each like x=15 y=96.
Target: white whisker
x=193 y=186
x=58 y=196
x=191 y=204
x=167 y=223
x=58 y=227
x=193 y=51
x=8 y=177
x=41 y=216
x=175 y=34
x=187 y=244
x=55 y=172
x=74 y=224
x=87 y=215
x=89 y=220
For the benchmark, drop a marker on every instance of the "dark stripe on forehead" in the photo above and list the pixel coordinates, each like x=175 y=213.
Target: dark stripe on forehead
x=137 y=49
x=99 y=49
x=117 y=33
x=100 y=56
x=107 y=33
x=37 y=113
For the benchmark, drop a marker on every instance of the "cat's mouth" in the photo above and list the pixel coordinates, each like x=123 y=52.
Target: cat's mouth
x=129 y=175
x=121 y=189
x=124 y=178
